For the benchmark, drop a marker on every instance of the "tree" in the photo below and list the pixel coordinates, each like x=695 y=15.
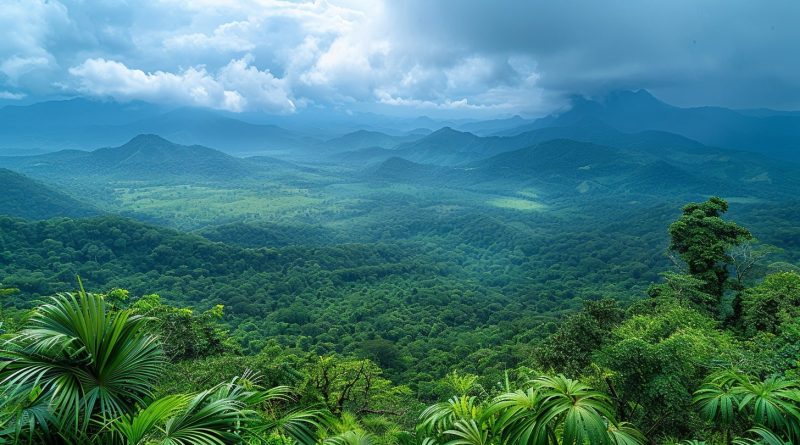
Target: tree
x=569 y=350
x=185 y=333
x=656 y=361
x=702 y=239
x=552 y=410
x=682 y=289
x=745 y=257
x=79 y=372
x=771 y=304
x=769 y=408
x=384 y=352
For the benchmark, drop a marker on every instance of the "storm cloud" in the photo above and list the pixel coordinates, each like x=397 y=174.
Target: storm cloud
x=462 y=57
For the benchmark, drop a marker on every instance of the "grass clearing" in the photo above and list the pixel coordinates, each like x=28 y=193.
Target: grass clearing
x=516 y=204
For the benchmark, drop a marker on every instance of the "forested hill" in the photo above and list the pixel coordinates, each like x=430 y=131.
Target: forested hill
x=146 y=156
x=363 y=369
x=27 y=198
x=296 y=294
x=646 y=165
x=773 y=134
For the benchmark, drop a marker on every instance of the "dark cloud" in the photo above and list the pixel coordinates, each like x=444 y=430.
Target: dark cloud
x=455 y=56
x=735 y=53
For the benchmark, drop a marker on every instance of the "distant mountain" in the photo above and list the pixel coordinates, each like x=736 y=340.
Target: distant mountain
x=86 y=124
x=143 y=157
x=26 y=198
x=451 y=147
x=643 y=164
x=486 y=128
x=148 y=154
x=367 y=139
x=420 y=131
x=562 y=157
x=194 y=126
x=646 y=143
x=774 y=134
x=363 y=156
x=74 y=113
x=67 y=124
x=398 y=169
x=447 y=146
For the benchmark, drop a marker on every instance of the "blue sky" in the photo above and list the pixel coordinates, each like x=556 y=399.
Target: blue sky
x=459 y=58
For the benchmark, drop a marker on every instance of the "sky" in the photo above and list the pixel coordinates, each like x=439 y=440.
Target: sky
x=445 y=57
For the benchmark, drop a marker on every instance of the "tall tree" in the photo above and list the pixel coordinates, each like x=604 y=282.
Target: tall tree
x=703 y=239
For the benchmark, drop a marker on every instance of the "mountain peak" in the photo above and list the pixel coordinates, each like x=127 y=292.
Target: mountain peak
x=628 y=98
x=448 y=131
x=148 y=139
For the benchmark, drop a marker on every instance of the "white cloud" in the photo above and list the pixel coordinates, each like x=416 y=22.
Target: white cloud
x=358 y=53
x=447 y=104
x=8 y=95
x=271 y=55
x=236 y=87
x=228 y=37
x=28 y=27
x=15 y=66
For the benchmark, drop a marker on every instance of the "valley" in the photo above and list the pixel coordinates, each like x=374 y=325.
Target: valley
x=424 y=251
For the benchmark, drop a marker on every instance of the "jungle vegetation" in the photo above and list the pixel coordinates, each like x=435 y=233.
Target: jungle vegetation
x=707 y=353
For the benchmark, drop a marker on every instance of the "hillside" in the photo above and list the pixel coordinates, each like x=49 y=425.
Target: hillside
x=191 y=126
x=26 y=198
x=363 y=139
x=396 y=168
x=144 y=156
x=772 y=134
x=87 y=124
x=649 y=163
x=488 y=127
x=447 y=146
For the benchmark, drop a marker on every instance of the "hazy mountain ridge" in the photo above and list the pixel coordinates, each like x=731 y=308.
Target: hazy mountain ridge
x=577 y=167
x=87 y=124
x=362 y=139
x=144 y=156
x=775 y=134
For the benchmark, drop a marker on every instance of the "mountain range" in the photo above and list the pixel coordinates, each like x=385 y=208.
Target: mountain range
x=648 y=163
x=88 y=124
x=145 y=156
x=772 y=133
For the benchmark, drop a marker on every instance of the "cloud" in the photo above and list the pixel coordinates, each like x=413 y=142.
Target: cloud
x=8 y=95
x=733 y=53
x=15 y=66
x=467 y=56
x=236 y=87
x=228 y=37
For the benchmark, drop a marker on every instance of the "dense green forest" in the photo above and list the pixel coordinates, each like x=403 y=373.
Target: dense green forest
x=381 y=222
x=707 y=352
x=548 y=285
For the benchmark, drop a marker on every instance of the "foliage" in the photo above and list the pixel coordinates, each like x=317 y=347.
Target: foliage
x=733 y=403
x=370 y=322
x=657 y=361
x=771 y=304
x=552 y=410
x=569 y=350
x=186 y=334
x=702 y=239
x=80 y=372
